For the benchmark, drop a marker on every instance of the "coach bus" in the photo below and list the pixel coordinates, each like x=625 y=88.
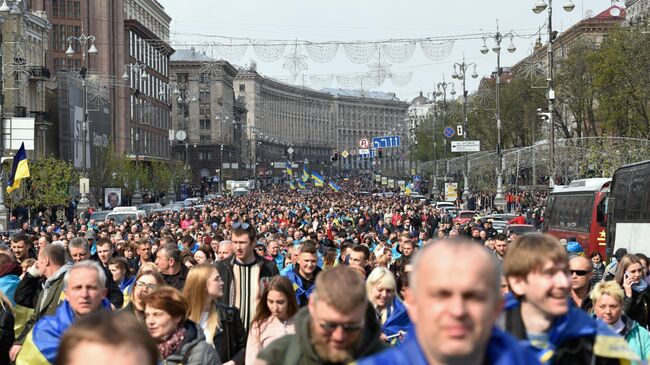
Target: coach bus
x=628 y=212
x=579 y=210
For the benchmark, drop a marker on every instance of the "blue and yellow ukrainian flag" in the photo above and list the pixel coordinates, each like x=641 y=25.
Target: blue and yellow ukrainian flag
x=305 y=174
x=407 y=189
x=301 y=184
x=291 y=185
x=288 y=168
x=318 y=180
x=334 y=186
x=20 y=169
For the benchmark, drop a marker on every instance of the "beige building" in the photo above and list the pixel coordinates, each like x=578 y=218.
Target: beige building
x=312 y=124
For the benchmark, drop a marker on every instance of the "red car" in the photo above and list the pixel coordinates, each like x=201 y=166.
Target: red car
x=464 y=217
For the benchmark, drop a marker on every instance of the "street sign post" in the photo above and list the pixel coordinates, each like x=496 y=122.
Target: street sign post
x=364 y=143
x=386 y=141
x=465 y=146
x=449 y=132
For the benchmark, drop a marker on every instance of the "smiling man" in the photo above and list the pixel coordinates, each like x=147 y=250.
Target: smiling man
x=303 y=273
x=538 y=274
x=453 y=306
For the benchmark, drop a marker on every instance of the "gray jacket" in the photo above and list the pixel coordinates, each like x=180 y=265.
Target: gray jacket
x=195 y=351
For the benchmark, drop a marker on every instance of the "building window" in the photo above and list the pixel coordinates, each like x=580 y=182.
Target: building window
x=242 y=87
x=204 y=78
x=77 y=10
x=204 y=96
x=204 y=110
x=204 y=139
x=205 y=155
x=204 y=124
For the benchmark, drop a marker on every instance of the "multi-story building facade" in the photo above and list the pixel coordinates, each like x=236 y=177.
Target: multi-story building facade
x=204 y=109
x=311 y=124
x=24 y=37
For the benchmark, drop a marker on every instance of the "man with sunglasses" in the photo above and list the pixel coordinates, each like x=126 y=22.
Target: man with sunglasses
x=581 y=270
x=244 y=273
x=337 y=327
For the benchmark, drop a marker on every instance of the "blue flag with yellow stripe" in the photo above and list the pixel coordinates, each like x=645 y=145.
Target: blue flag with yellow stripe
x=19 y=170
x=288 y=168
x=305 y=174
x=334 y=186
x=291 y=185
x=301 y=184
x=318 y=179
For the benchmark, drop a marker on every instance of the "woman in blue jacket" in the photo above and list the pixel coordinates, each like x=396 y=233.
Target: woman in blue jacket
x=391 y=313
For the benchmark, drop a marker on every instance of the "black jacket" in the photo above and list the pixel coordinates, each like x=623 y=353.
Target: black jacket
x=637 y=307
x=268 y=269
x=6 y=333
x=230 y=340
x=177 y=280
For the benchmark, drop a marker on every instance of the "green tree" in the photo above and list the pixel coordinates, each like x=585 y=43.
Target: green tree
x=49 y=183
x=622 y=82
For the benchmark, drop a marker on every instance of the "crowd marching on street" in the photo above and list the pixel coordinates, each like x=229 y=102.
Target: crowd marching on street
x=318 y=276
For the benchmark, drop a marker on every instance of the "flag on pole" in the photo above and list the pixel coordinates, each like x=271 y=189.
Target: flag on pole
x=301 y=184
x=334 y=186
x=318 y=179
x=407 y=189
x=19 y=170
x=291 y=185
x=305 y=174
x=288 y=168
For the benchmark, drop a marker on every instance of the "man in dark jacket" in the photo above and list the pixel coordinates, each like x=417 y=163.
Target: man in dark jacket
x=41 y=288
x=168 y=260
x=244 y=274
x=337 y=327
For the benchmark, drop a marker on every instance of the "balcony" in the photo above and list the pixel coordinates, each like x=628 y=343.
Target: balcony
x=40 y=73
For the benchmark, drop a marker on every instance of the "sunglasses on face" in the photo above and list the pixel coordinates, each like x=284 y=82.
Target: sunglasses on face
x=346 y=327
x=242 y=225
x=580 y=272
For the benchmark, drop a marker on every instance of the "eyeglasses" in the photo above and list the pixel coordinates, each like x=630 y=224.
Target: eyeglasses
x=242 y=225
x=141 y=284
x=346 y=327
x=580 y=272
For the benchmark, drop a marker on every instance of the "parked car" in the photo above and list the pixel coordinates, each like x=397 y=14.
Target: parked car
x=519 y=229
x=100 y=215
x=442 y=204
x=148 y=207
x=464 y=217
x=191 y=201
x=121 y=214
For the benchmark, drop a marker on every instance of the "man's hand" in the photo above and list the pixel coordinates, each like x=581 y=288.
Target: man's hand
x=13 y=353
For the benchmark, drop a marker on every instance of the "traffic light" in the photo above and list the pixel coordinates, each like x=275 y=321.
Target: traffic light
x=380 y=152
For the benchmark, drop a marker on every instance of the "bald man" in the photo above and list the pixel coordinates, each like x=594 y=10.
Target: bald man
x=453 y=306
x=581 y=270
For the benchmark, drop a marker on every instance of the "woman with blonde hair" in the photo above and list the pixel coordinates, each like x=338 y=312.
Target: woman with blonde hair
x=221 y=324
x=145 y=282
x=629 y=275
x=273 y=316
x=608 y=298
x=391 y=313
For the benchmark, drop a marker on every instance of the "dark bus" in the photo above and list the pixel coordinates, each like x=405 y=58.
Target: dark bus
x=628 y=213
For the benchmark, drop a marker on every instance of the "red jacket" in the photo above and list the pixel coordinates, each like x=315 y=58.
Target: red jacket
x=517 y=220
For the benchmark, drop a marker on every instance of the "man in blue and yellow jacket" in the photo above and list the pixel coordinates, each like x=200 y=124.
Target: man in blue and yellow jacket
x=539 y=314
x=453 y=306
x=85 y=293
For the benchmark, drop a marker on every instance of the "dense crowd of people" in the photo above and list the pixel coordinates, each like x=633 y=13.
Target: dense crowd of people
x=313 y=277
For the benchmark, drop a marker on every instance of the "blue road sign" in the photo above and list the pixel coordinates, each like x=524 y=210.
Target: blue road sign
x=386 y=142
x=449 y=132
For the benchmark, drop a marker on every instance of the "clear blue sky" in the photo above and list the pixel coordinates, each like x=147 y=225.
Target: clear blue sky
x=347 y=20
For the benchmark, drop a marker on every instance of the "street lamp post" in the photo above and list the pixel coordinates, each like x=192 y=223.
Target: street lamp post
x=84 y=41
x=221 y=118
x=540 y=6
x=442 y=91
x=460 y=73
x=499 y=199
x=140 y=70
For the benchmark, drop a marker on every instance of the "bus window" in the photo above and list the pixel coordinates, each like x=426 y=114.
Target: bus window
x=572 y=212
x=601 y=212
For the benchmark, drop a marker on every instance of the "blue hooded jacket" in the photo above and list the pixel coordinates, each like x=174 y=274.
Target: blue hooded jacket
x=42 y=343
x=502 y=349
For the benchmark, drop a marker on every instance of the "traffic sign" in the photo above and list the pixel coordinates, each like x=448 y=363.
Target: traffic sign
x=364 y=151
x=449 y=132
x=364 y=143
x=290 y=151
x=465 y=146
x=459 y=130
x=386 y=141
x=367 y=152
x=345 y=154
